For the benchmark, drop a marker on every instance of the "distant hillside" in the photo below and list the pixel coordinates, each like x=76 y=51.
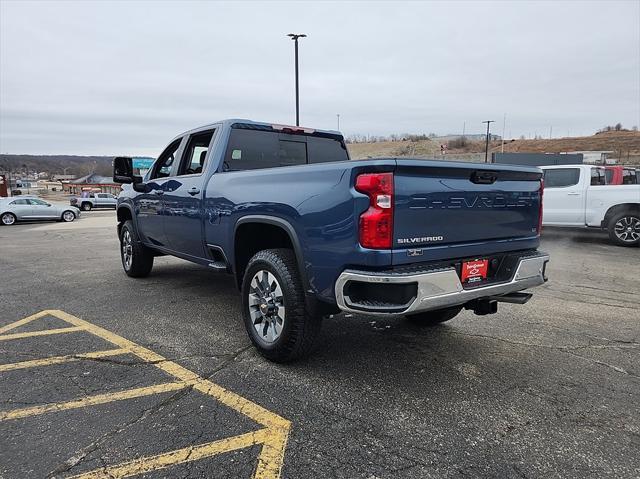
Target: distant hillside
x=57 y=164
x=624 y=144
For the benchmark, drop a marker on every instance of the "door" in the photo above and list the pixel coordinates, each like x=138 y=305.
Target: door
x=101 y=200
x=21 y=208
x=149 y=204
x=183 y=198
x=564 y=197
x=42 y=210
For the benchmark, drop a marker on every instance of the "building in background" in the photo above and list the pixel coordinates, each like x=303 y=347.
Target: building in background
x=91 y=183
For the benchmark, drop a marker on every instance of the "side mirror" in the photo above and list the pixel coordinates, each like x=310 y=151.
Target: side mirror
x=123 y=171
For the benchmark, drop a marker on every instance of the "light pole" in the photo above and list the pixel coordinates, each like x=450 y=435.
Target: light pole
x=338 y=115
x=294 y=37
x=486 y=148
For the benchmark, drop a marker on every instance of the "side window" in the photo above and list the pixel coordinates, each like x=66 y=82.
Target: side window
x=629 y=177
x=19 y=202
x=195 y=153
x=597 y=177
x=561 y=177
x=164 y=165
x=37 y=202
x=102 y=195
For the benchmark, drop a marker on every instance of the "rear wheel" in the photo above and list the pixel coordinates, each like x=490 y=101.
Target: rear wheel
x=86 y=206
x=624 y=229
x=435 y=317
x=137 y=260
x=68 y=216
x=273 y=307
x=8 y=219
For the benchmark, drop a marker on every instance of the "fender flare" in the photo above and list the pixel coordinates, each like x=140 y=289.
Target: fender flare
x=126 y=206
x=291 y=232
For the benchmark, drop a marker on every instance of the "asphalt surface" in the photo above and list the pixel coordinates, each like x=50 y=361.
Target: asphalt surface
x=548 y=389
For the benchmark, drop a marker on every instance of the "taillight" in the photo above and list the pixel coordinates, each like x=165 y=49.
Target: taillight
x=376 y=224
x=540 y=211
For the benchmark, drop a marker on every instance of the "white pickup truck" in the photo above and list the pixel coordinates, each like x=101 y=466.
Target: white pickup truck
x=577 y=195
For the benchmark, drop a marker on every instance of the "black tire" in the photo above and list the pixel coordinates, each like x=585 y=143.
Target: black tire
x=139 y=264
x=8 y=219
x=299 y=328
x=86 y=206
x=435 y=317
x=624 y=228
x=67 y=218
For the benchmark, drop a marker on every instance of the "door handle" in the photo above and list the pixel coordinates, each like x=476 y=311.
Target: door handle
x=194 y=191
x=573 y=193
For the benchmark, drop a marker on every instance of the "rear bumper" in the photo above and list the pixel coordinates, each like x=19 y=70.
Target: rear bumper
x=432 y=289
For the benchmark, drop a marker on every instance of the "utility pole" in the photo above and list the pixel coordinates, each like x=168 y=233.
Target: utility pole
x=294 y=37
x=551 y=132
x=486 y=148
x=504 y=124
x=338 y=115
x=464 y=127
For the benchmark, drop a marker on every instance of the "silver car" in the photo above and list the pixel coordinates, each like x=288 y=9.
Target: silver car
x=31 y=209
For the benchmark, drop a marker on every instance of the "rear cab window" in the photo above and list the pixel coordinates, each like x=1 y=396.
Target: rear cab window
x=258 y=147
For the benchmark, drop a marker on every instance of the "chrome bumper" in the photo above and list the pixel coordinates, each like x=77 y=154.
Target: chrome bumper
x=438 y=289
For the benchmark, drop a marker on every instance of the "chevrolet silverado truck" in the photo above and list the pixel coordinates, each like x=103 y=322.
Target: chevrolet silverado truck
x=579 y=196
x=304 y=232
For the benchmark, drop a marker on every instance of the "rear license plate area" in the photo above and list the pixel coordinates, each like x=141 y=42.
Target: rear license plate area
x=474 y=271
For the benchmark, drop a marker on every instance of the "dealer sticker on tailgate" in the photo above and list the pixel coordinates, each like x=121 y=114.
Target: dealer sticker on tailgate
x=473 y=271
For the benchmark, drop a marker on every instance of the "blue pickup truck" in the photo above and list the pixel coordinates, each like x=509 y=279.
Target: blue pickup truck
x=305 y=232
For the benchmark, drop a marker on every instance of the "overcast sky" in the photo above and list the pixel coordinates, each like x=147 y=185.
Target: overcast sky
x=124 y=77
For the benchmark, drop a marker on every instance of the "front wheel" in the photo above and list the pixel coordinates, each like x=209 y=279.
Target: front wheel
x=273 y=307
x=8 y=219
x=624 y=229
x=137 y=260
x=68 y=216
x=86 y=206
x=435 y=317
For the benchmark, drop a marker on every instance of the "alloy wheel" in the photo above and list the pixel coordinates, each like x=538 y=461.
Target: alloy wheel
x=68 y=216
x=8 y=219
x=627 y=229
x=266 y=306
x=127 y=249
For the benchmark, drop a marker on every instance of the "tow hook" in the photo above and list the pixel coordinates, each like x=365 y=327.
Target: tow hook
x=482 y=307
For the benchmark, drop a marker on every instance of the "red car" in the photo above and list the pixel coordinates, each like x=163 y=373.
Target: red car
x=621 y=175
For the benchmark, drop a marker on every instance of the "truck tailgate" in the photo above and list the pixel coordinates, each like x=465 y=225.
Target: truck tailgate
x=443 y=207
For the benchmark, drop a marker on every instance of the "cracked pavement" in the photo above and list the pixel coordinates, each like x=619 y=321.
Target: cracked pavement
x=548 y=389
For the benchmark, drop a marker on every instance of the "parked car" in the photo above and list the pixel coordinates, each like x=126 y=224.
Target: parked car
x=304 y=232
x=29 y=208
x=621 y=175
x=95 y=200
x=577 y=195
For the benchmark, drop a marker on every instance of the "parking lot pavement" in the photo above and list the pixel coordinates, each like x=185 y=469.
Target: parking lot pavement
x=546 y=389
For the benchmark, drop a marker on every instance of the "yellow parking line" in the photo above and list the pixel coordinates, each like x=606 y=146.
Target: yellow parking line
x=192 y=453
x=23 y=321
x=46 y=332
x=93 y=400
x=273 y=438
x=62 y=359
